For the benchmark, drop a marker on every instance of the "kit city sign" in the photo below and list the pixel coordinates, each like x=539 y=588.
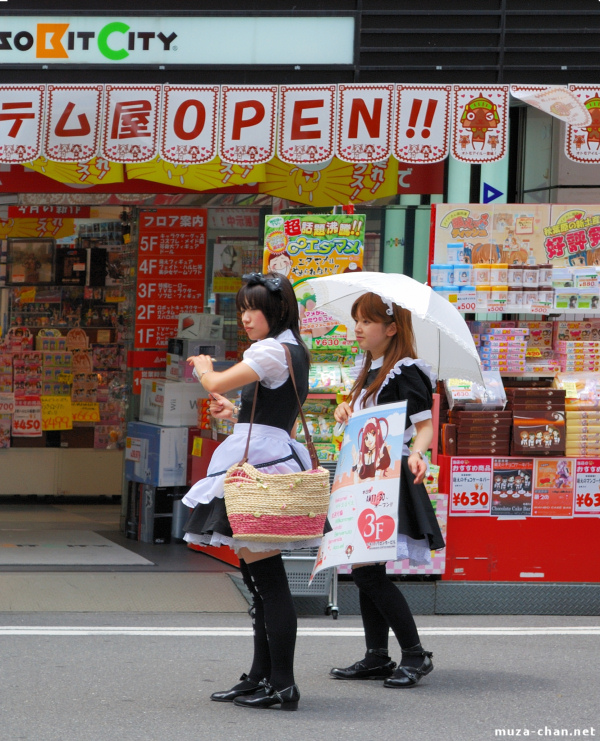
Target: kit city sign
x=176 y=40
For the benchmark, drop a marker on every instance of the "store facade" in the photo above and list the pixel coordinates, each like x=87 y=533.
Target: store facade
x=183 y=107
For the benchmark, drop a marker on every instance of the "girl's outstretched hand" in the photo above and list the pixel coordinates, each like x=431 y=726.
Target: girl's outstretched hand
x=417 y=466
x=342 y=413
x=220 y=407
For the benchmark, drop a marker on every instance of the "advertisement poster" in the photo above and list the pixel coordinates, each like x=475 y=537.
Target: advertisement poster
x=471 y=486
x=311 y=245
x=227 y=266
x=553 y=485
x=512 y=486
x=363 y=509
x=587 y=488
x=519 y=234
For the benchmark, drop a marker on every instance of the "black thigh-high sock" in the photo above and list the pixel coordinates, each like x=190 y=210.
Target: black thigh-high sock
x=261 y=660
x=389 y=600
x=281 y=623
x=377 y=630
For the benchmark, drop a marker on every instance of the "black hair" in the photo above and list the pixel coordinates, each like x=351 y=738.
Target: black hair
x=280 y=307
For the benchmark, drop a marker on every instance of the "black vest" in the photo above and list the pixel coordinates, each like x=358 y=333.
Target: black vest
x=278 y=407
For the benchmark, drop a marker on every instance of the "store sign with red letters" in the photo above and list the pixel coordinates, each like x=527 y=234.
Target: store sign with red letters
x=170 y=272
x=306 y=124
x=300 y=124
x=471 y=486
x=21 y=116
x=422 y=123
x=249 y=121
x=365 y=122
x=130 y=132
x=73 y=122
x=189 y=124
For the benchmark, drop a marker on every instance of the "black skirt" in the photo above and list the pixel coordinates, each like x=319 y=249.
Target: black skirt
x=416 y=516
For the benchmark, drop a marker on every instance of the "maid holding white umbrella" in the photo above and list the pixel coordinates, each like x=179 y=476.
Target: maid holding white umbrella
x=393 y=370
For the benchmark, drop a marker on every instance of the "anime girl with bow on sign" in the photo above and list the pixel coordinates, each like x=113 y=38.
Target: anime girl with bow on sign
x=373 y=454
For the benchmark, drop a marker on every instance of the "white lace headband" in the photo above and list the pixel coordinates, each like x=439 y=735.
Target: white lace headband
x=389 y=304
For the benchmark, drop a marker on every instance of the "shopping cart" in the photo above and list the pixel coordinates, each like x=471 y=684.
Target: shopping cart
x=299 y=565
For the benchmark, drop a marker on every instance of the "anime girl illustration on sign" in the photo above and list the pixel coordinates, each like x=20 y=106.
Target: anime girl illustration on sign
x=372 y=460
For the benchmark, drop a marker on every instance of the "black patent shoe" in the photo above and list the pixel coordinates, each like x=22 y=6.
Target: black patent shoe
x=360 y=670
x=409 y=676
x=267 y=697
x=246 y=686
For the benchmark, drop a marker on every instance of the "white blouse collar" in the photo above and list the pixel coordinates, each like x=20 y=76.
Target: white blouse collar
x=286 y=336
x=375 y=364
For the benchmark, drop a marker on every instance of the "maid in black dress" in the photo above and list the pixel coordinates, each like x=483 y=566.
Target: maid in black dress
x=390 y=372
x=270 y=316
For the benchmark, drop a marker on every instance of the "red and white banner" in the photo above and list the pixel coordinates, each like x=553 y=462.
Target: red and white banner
x=422 y=123
x=582 y=143
x=306 y=124
x=249 y=120
x=73 y=118
x=189 y=124
x=303 y=125
x=365 y=122
x=131 y=123
x=480 y=123
x=555 y=100
x=21 y=116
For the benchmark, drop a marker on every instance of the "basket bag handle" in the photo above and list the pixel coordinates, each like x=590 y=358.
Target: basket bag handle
x=307 y=436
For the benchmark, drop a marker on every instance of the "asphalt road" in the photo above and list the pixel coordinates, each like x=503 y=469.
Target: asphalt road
x=130 y=677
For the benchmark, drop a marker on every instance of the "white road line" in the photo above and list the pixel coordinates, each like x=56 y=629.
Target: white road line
x=333 y=631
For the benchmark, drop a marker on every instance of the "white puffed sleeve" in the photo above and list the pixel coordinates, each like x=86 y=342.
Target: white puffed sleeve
x=267 y=359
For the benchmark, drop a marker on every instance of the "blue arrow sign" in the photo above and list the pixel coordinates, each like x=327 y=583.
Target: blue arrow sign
x=490 y=193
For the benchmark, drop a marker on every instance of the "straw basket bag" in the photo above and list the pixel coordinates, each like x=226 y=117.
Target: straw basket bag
x=277 y=507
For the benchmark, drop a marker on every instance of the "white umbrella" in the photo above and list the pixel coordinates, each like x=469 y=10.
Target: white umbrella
x=443 y=338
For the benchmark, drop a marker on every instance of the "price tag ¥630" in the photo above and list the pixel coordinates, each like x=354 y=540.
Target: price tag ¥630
x=587 y=488
x=471 y=486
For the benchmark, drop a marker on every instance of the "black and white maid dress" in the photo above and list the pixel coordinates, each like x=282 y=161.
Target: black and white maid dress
x=271 y=447
x=410 y=380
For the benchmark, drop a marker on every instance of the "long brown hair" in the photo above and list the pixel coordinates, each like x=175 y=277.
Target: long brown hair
x=402 y=344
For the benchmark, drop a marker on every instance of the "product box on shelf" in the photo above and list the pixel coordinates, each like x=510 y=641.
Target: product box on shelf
x=164 y=402
x=200 y=451
x=156 y=513
x=156 y=455
x=195 y=326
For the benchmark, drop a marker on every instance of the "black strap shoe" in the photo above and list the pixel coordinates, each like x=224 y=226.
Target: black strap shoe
x=267 y=697
x=246 y=686
x=409 y=676
x=362 y=670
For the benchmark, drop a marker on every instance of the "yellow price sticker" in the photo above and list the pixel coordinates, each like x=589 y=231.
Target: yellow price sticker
x=197 y=447
x=534 y=352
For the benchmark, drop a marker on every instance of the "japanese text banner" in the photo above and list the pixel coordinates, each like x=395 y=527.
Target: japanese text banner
x=21 y=114
x=365 y=122
x=131 y=123
x=189 y=124
x=249 y=117
x=73 y=115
